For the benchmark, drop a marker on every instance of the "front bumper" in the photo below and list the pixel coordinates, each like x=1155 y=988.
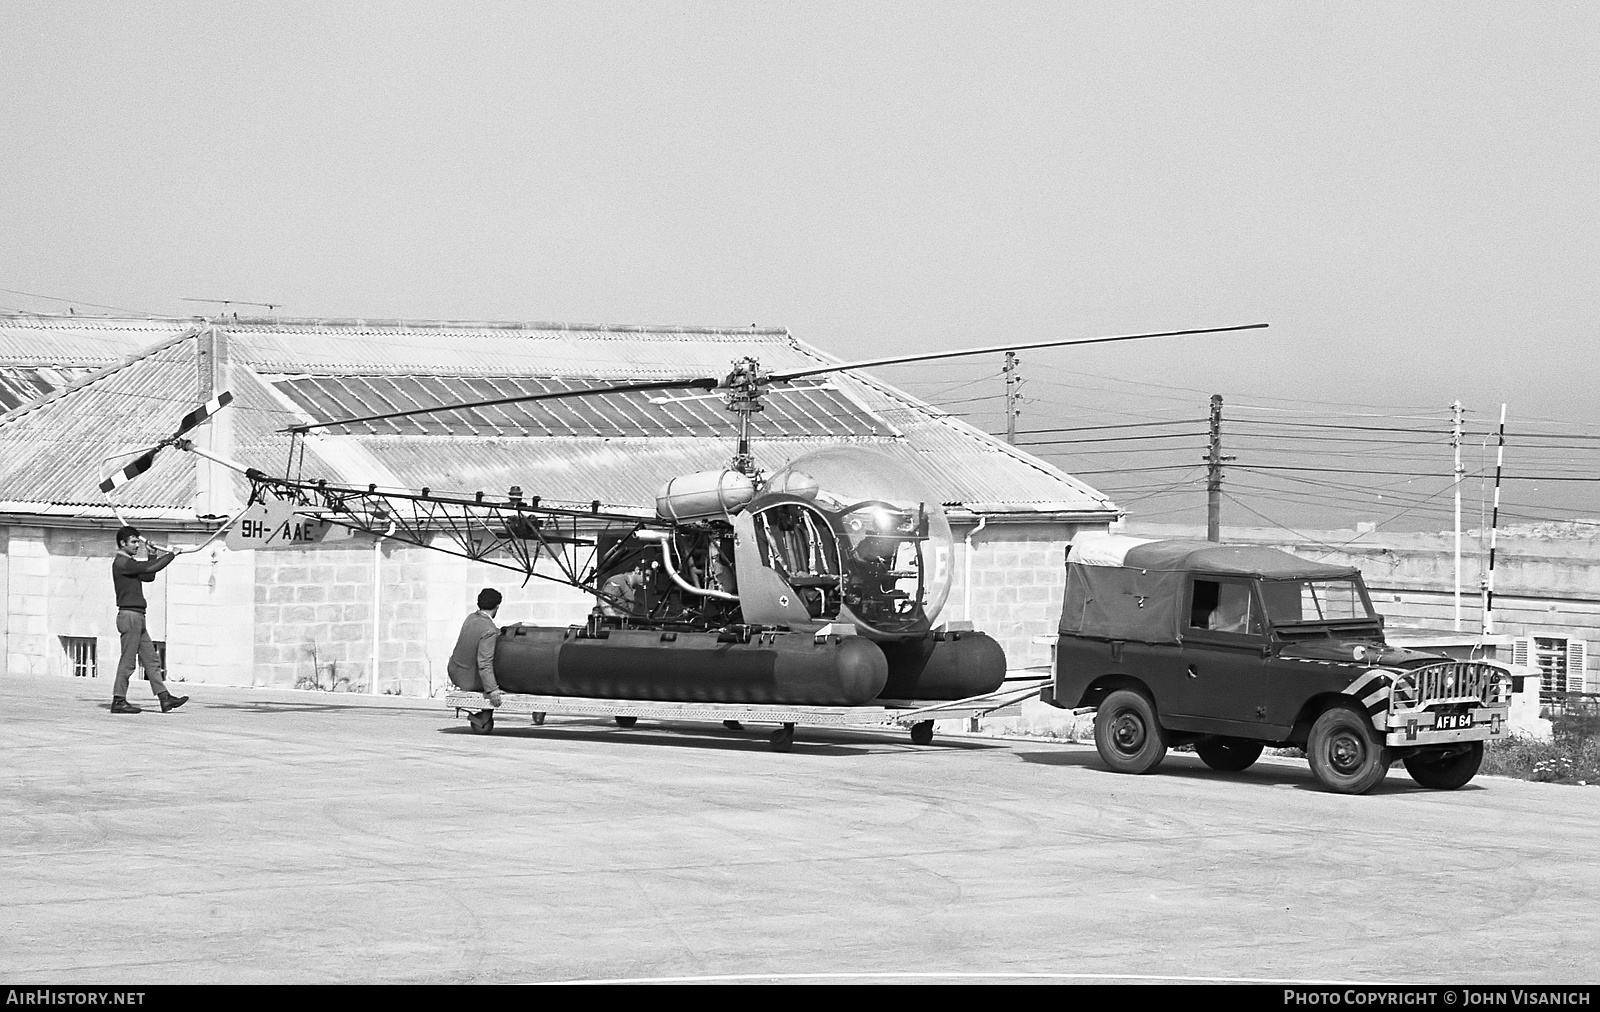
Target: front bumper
x=1417 y=727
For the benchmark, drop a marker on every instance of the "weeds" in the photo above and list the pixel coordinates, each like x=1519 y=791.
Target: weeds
x=324 y=677
x=1572 y=756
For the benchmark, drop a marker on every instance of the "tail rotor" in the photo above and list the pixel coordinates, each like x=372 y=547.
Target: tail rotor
x=142 y=463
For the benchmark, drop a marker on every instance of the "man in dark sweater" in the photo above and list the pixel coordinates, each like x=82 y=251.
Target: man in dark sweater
x=128 y=575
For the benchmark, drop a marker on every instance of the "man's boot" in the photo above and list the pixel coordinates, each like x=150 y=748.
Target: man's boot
x=171 y=702
x=121 y=705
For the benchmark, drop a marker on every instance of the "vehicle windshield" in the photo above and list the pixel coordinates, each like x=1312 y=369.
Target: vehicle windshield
x=1340 y=600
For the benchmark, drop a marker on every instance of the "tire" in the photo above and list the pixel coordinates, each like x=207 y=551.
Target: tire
x=481 y=723
x=625 y=721
x=1127 y=734
x=1345 y=756
x=1448 y=773
x=1228 y=755
x=922 y=732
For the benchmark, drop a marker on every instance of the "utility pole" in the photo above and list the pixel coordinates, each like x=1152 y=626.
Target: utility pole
x=1214 y=461
x=1455 y=440
x=1013 y=386
x=1494 y=523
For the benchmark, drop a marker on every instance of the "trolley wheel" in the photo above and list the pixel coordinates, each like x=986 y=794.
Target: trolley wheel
x=538 y=717
x=482 y=722
x=733 y=725
x=625 y=721
x=783 y=738
x=922 y=732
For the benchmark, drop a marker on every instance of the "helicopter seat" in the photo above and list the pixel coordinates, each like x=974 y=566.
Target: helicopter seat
x=813 y=580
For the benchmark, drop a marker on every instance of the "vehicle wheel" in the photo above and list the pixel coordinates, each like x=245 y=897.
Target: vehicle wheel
x=482 y=723
x=538 y=717
x=922 y=732
x=1448 y=773
x=1229 y=755
x=1127 y=735
x=625 y=721
x=783 y=738
x=1344 y=755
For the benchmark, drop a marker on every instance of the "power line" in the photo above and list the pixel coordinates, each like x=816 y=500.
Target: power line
x=75 y=302
x=1441 y=437
x=1132 y=470
x=1113 y=439
x=1333 y=425
x=1121 y=425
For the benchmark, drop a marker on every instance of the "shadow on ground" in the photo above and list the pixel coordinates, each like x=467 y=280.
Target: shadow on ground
x=1185 y=766
x=278 y=706
x=822 y=742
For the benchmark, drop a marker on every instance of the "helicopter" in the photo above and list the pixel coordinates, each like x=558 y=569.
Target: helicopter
x=819 y=584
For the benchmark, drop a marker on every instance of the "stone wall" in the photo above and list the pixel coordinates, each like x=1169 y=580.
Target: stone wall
x=56 y=583
x=315 y=626
x=208 y=620
x=312 y=616
x=1018 y=572
x=27 y=604
x=5 y=597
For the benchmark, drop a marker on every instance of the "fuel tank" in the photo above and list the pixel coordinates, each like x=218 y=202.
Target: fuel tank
x=794 y=669
x=703 y=494
x=943 y=665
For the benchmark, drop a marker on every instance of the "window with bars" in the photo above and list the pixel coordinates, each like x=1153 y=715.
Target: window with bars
x=82 y=655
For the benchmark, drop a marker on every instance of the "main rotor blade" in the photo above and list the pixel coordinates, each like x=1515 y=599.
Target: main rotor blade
x=1060 y=342
x=702 y=383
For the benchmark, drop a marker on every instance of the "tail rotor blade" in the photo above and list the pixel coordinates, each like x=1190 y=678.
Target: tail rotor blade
x=139 y=465
x=203 y=412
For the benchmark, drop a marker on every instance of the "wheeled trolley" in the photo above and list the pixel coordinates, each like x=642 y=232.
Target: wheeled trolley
x=916 y=716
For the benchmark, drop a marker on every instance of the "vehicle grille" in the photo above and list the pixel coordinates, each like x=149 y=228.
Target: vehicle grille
x=1451 y=681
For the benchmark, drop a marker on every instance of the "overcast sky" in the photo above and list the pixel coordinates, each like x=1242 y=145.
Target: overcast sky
x=1406 y=192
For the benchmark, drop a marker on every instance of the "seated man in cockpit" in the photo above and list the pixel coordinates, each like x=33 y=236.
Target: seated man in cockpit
x=1233 y=613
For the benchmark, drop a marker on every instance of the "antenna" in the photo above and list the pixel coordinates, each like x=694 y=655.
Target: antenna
x=268 y=306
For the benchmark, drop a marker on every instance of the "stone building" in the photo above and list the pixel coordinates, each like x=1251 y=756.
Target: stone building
x=370 y=615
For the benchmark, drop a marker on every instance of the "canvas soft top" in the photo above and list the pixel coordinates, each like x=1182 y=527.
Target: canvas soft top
x=1177 y=555
x=1120 y=587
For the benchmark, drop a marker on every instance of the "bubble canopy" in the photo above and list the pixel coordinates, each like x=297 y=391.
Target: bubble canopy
x=890 y=525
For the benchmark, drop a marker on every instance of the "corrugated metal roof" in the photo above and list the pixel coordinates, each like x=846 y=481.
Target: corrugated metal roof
x=79 y=341
x=537 y=349
x=56 y=451
x=582 y=450
x=798 y=409
x=629 y=471
x=19 y=385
